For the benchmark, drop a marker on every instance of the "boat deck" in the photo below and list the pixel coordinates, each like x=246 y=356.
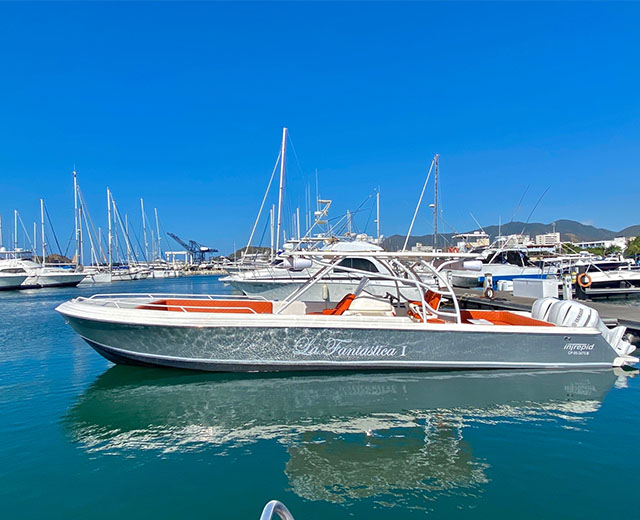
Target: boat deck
x=611 y=314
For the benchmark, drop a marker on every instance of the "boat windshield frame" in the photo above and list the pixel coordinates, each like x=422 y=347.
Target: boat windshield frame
x=400 y=262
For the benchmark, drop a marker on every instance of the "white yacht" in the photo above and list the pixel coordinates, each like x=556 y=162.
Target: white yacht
x=38 y=275
x=286 y=274
x=502 y=264
x=11 y=277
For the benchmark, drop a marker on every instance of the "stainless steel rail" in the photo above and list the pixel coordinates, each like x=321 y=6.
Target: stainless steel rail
x=278 y=508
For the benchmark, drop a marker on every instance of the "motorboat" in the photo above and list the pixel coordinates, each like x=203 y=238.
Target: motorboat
x=117 y=273
x=38 y=275
x=12 y=277
x=286 y=274
x=502 y=264
x=364 y=331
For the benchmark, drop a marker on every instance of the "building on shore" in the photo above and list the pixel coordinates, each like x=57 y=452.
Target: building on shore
x=548 y=239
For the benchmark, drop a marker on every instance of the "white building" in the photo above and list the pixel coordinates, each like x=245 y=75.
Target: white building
x=620 y=242
x=548 y=239
x=420 y=248
x=471 y=240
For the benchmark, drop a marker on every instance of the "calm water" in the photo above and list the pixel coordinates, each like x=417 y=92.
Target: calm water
x=80 y=438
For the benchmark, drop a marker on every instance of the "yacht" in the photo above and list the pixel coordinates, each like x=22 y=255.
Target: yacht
x=286 y=274
x=364 y=331
x=502 y=264
x=38 y=275
x=11 y=277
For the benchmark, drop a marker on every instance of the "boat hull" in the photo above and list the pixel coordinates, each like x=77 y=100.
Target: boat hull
x=250 y=345
x=8 y=282
x=54 y=280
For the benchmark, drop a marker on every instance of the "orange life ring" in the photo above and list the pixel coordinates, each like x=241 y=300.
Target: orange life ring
x=453 y=250
x=584 y=280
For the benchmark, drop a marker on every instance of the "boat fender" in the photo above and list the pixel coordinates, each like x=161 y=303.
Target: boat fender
x=584 y=280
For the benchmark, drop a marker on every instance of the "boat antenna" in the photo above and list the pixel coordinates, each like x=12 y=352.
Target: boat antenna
x=520 y=203
x=415 y=213
x=478 y=223
x=534 y=208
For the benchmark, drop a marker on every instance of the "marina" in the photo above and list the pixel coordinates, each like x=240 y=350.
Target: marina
x=330 y=444
x=310 y=260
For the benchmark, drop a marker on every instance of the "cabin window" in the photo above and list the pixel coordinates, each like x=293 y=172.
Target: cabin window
x=361 y=264
x=515 y=258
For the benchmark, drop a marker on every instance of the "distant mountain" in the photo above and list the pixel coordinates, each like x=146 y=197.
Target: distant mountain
x=631 y=231
x=570 y=231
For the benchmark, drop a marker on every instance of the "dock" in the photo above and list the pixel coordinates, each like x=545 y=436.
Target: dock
x=612 y=315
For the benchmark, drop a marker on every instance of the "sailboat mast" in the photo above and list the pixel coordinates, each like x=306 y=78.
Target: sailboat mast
x=44 y=246
x=144 y=231
x=126 y=227
x=281 y=191
x=116 y=218
x=378 y=215
x=0 y=230
x=435 y=205
x=76 y=224
x=15 y=230
x=272 y=212
x=110 y=246
x=158 y=250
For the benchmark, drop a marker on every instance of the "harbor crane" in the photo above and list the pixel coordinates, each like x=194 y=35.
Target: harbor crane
x=196 y=251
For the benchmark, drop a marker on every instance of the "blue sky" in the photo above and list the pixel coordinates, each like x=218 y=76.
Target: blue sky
x=183 y=104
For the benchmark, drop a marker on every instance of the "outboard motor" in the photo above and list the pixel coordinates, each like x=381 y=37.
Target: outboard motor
x=567 y=313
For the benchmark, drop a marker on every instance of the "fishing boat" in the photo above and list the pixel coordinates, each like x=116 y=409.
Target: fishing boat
x=502 y=264
x=283 y=276
x=362 y=332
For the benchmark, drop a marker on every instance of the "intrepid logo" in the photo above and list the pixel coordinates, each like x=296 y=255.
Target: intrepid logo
x=579 y=349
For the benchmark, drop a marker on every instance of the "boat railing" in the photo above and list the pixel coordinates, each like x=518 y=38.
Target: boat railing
x=328 y=262
x=278 y=508
x=129 y=300
x=106 y=296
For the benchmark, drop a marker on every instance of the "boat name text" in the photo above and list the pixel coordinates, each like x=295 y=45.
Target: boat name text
x=317 y=346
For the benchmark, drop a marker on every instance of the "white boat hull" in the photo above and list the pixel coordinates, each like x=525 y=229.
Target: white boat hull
x=470 y=279
x=272 y=342
x=54 y=279
x=11 y=281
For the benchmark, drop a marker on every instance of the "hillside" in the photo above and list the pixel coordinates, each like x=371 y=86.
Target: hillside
x=570 y=231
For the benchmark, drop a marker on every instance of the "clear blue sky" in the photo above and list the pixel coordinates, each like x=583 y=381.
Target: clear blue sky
x=183 y=104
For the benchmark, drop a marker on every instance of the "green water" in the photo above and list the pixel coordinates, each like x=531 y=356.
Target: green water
x=81 y=438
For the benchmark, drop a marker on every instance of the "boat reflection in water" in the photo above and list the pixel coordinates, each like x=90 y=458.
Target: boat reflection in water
x=347 y=436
